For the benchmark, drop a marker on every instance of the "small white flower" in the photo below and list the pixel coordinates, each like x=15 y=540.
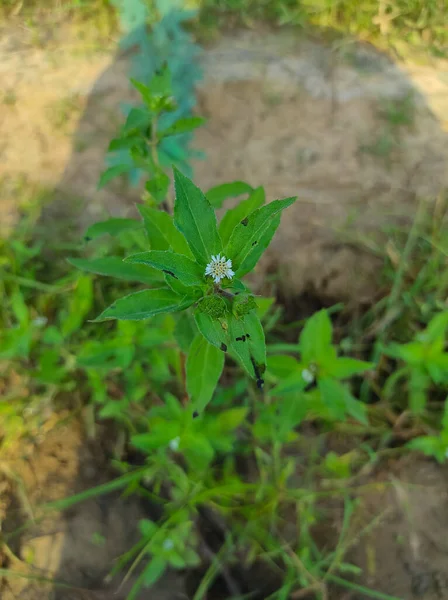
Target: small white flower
x=174 y=444
x=307 y=376
x=168 y=545
x=40 y=321
x=219 y=268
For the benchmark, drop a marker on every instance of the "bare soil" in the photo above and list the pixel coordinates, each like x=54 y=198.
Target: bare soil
x=76 y=547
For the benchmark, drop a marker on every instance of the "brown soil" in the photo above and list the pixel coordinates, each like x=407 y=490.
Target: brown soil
x=78 y=546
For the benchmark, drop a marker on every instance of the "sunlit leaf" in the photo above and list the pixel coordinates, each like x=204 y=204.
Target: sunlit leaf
x=195 y=218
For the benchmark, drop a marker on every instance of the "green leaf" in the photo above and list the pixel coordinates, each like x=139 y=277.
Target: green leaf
x=315 y=338
x=237 y=214
x=178 y=266
x=412 y=353
x=81 y=300
x=138 y=118
x=144 y=304
x=248 y=345
x=161 y=231
x=333 y=396
x=111 y=173
x=291 y=412
x=182 y=125
x=263 y=306
x=229 y=420
x=196 y=219
x=217 y=194
x=215 y=331
x=125 y=143
x=343 y=368
x=111 y=227
x=418 y=389
x=429 y=445
x=112 y=266
x=292 y=383
x=339 y=401
x=282 y=365
x=256 y=229
x=158 y=186
x=197 y=450
x=154 y=571
x=185 y=331
x=204 y=367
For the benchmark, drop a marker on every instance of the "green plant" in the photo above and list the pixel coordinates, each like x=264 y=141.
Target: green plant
x=321 y=368
x=425 y=363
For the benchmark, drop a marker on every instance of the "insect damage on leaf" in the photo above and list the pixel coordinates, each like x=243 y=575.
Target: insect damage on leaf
x=245 y=222
x=258 y=371
x=170 y=273
x=243 y=338
x=223 y=347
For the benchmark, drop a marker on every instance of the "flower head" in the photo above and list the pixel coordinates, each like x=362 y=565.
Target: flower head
x=219 y=268
x=174 y=444
x=307 y=376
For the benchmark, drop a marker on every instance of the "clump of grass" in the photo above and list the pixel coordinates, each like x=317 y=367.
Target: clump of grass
x=415 y=22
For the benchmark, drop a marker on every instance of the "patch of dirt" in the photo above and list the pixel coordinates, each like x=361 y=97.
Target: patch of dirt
x=76 y=547
x=404 y=546
x=314 y=121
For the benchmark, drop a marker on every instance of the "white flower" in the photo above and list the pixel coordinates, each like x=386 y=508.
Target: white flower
x=307 y=376
x=219 y=268
x=174 y=444
x=168 y=544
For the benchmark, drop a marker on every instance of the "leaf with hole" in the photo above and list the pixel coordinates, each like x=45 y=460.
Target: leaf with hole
x=235 y=215
x=178 y=266
x=256 y=229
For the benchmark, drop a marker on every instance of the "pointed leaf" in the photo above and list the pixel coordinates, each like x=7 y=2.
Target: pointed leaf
x=344 y=367
x=282 y=365
x=315 y=338
x=158 y=186
x=111 y=227
x=112 y=266
x=237 y=214
x=214 y=330
x=256 y=228
x=217 y=194
x=247 y=344
x=182 y=125
x=144 y=304
x=178 y=266
x=111 y=173
x=154 y=571
x=195 y=218
x=138 y=118
x=161 y=231
x=204 y=367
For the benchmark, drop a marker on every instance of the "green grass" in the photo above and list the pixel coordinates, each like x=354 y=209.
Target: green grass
x=420 y=23
x=400 y=25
